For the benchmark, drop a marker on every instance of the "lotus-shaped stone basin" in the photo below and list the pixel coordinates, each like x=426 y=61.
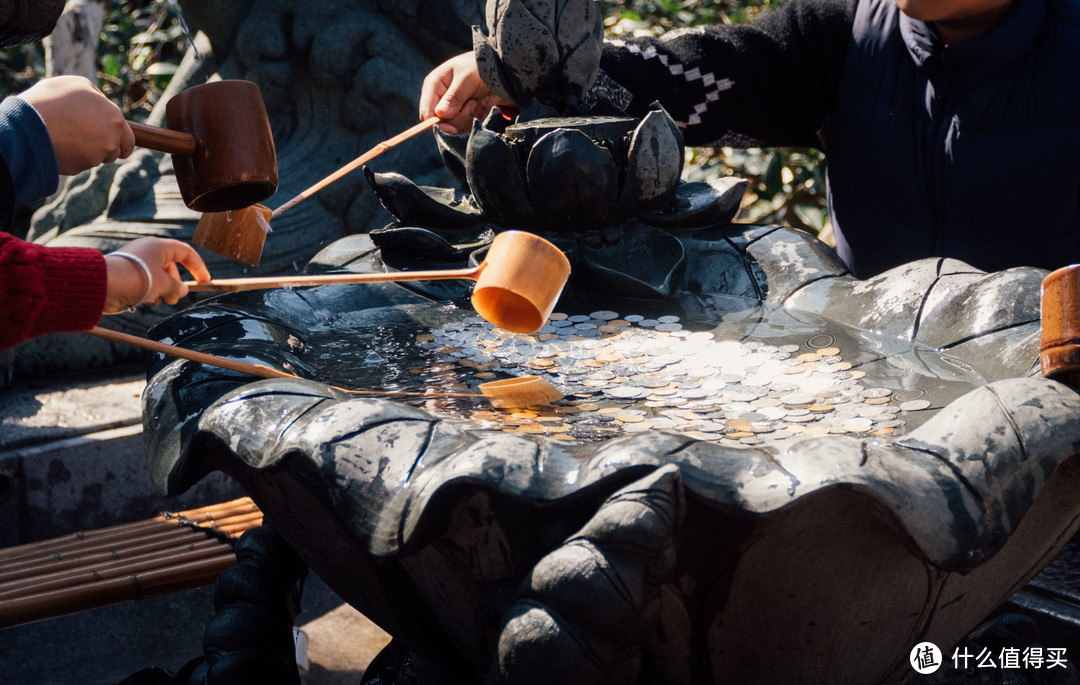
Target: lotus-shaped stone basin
x=658 y=555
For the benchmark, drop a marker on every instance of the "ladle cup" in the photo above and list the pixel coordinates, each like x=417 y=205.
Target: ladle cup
x=222 y=147
x=517 y=284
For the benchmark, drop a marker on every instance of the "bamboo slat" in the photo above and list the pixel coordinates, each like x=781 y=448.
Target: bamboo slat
x=123 y=563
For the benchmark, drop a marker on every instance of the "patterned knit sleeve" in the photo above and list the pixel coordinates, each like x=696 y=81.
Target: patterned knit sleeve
x=770 y=82
x=48 y=289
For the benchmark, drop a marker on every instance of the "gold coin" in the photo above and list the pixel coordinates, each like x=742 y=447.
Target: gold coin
x=739 y=434
x=557 y=316
x=877 y=400
x=544 y=337
x=816 y=430
x=809 y=357
x=792 y=370
x=669 y=390
x=858 y=374
x=520 y=415
x=531 y=428
x=883 y=431
x=738 y=424
x=820 y=408
x=618 y=323
x=426 y=337
x=609 y=410
x=829 y=351
x=549 y=419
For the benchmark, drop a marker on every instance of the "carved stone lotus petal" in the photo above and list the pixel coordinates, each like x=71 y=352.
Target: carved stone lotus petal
x=646 y=262
x=653 y=166
x=700 y=204
x=497 y=181
x=543 y=50
x=525 y=39
x=489 y=67
x=452 y=149
x=572 y=179
x=580 y=27
x=423 y=205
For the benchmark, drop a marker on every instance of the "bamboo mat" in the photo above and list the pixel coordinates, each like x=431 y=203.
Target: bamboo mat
x=124 y=563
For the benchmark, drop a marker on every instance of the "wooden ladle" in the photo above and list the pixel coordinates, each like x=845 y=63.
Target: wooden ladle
x=524 y=391
x=220 y=140
x=240 y=234
x=517 y=284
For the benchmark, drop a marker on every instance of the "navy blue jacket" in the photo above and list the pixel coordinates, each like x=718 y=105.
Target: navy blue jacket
x=970 y=150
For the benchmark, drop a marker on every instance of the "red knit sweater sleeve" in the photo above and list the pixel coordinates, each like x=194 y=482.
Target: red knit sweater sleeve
x=48 y=289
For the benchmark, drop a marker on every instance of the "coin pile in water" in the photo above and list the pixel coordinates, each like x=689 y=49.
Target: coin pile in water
x=634 y=374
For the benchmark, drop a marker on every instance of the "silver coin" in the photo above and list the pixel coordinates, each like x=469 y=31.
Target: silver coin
x=669 y=327
x=876 y=392
x=625 y=392
x=604 y=315
x=915 y=405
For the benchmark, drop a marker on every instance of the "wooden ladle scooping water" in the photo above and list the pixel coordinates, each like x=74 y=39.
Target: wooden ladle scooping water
x=517 y=284
x=239 y=234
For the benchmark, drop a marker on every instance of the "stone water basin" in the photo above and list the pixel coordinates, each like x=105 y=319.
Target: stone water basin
x=569 y=543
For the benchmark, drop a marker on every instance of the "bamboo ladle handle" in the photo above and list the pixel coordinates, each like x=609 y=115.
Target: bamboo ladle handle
x=243 y=367
x=358 y=162
x=255 y=283
x=514 y=392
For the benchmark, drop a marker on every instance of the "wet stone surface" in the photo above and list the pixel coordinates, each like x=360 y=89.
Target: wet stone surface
x=624 y=374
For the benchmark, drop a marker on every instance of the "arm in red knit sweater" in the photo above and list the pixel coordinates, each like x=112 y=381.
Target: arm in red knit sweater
x=48 y=289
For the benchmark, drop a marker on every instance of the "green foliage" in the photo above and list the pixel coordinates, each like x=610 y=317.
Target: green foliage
x=787 y=185
x=142 y=42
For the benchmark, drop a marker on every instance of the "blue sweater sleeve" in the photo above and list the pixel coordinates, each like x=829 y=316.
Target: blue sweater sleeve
x=27 y=150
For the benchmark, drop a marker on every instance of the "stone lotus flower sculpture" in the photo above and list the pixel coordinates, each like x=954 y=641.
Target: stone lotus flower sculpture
x=540 y=49
x=561 y=175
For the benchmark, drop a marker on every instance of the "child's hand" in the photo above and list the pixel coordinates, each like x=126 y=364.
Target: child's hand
x=127 y=280
x=86 y=128
x=454 y=92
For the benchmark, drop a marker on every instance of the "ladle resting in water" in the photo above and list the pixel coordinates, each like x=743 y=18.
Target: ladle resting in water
x=517 y=284
x=524 y=391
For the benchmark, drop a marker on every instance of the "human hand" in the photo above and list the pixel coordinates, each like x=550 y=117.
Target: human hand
x=127 y=281
x=86 y=128
x=454 y=92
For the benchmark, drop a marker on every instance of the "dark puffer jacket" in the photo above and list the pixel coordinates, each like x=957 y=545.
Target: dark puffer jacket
x=965 y=151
